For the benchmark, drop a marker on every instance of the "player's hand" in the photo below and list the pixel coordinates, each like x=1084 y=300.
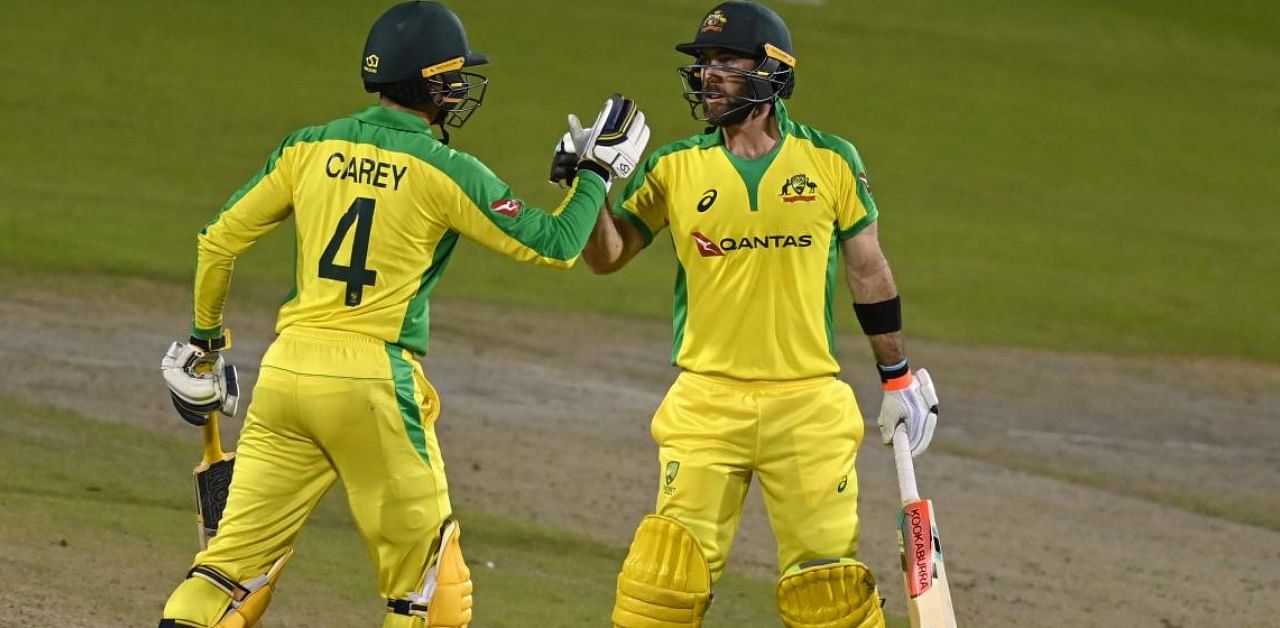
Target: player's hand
x=912 y=403
x=200 y=381
x=617 y=138
x=564 y=161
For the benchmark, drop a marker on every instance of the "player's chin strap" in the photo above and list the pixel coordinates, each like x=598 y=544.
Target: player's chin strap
x=249 y=600
x=445 y=598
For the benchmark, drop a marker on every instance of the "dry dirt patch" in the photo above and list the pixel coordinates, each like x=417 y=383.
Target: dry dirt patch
x=546 y=419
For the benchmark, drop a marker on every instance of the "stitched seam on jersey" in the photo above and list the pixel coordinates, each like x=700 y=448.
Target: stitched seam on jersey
x=825 y=142
x=680 y=312
x=833 y=263
x=293 y=140
x=415 y=328
x=650 y=166
x=857 y=227
x=410 y=413
x=636 y=222
x=749 y=168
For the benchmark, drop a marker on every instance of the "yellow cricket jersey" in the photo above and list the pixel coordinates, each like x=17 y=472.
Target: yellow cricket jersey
x=757 y=245
x=379 y=205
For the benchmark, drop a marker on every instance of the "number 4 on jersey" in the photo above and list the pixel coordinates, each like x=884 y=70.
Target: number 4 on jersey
x=356 y=276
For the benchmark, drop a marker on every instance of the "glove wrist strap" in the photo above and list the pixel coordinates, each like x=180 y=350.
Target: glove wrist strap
x=895 y=376
x=587 y=164
x=221 y=343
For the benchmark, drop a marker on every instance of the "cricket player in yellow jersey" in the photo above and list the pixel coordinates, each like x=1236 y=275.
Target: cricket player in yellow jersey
x=760 y=209
x=379 y=204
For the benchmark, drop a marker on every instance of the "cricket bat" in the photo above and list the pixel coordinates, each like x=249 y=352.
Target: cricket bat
x=925 y=576
x=213 y=478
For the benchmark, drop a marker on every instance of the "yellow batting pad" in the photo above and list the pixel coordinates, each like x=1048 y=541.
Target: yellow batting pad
x=665 y=581
x=451 y=604
x=249 y=610
x=838 y=594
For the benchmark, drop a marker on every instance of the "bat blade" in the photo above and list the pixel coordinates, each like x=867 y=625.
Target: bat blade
x=212 y=480
x=923 y=569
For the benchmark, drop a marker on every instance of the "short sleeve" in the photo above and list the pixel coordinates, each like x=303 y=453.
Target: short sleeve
x=855 y=207
x=643 y=202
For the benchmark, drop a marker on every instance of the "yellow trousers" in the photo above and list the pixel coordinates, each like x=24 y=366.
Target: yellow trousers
x=330 y=405
x=798 y=438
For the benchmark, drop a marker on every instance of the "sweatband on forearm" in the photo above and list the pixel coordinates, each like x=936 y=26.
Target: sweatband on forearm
x=883 y=317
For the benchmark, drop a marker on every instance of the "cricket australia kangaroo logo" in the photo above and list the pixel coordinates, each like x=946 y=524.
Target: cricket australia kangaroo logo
x=715 y=22
x=799 y=188
x=673 y=468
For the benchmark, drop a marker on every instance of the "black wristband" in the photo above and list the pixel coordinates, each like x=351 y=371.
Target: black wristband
x=883 y=317
x=586 y=164
x=893 y=371
x=220 y=343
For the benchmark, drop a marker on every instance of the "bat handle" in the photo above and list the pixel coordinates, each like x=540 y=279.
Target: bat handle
x=212 y=439
x=906 y=470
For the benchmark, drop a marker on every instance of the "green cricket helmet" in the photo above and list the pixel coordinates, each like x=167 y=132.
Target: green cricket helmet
x=415 y=54
x=749 y=29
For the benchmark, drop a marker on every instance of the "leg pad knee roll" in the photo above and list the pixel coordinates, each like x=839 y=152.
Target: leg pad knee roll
x=840 y=593
x=665 y=581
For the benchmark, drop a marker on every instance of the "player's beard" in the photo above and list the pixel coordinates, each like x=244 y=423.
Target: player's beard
x=730 y=108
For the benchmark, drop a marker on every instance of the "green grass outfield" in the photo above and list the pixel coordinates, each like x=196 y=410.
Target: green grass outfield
x=1087 y=176
x=107 y=512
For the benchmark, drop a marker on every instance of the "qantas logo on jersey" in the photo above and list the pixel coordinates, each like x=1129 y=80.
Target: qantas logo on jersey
x=507 y=207
x=706 y=247
x=710 y=247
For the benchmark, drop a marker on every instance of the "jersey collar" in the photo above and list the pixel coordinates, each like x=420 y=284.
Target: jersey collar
x=392 y=119
x=715 y=136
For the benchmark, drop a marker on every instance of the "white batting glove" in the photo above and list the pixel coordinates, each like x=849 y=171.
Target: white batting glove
x=911 y=401
x=199 y=382
x=616 y=140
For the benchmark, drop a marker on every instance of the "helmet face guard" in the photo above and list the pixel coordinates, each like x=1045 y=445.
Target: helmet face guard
x=768 y=81
x=457 y=95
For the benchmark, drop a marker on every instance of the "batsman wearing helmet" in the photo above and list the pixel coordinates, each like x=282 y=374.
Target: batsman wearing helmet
x=761 y=209
x=379 y=204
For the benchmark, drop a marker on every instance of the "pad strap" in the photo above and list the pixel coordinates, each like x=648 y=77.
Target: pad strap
x=233 y=589
x=405 y=607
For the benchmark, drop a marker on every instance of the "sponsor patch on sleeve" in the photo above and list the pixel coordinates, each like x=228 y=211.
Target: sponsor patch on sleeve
x=509 y=207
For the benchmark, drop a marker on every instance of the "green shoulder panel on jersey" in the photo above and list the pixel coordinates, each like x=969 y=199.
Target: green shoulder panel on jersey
x=849 y=154
x=641 y=176
x=306 y=134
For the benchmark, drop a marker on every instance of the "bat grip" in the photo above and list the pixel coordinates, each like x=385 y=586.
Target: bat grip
x=906 y=470
x=212 y=439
